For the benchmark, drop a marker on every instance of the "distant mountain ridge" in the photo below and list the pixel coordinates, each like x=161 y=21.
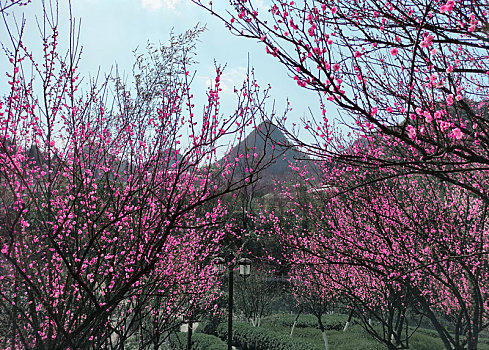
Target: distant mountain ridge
x=268 y=140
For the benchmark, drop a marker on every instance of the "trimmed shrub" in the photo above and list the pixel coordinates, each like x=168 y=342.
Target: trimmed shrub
x=331 y=322
x=247 y=337
x=207 y=327
x=178 y=341
x=200 y=341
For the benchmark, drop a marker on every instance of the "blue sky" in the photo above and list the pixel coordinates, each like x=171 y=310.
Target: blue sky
x=112 y=29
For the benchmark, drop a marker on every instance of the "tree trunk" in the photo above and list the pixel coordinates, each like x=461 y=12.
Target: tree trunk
x=189 y=334
x=230 y=310
x=347 y=324
x=323 y=332
x=295 y=322
x=472 y=341
x=325 y=339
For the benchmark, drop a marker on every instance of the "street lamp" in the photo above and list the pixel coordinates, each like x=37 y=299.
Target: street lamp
x=244 y=267
x=244 y=271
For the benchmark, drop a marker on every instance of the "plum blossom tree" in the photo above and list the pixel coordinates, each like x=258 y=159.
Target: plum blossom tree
x=411 y=79
x=310 y=292
x=412 y=72
x=111 y=205
x=410 y=244
x=257 y=293
x=7 y=4
x=380 y=305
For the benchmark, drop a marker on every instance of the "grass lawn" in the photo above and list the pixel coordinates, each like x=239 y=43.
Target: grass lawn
x=354 y=338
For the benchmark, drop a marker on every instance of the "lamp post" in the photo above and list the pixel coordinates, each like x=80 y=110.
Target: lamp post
x=244 y=271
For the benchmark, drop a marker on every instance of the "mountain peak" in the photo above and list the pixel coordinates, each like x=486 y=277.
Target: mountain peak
x=270 y=143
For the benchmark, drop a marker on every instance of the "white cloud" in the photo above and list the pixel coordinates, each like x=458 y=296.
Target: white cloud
x=261 y=6
x=230 y=79
x=157 y=4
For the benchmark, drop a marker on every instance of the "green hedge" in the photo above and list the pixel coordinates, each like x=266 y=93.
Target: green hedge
x=200 y=341
x=331 y=322
x=247 y=337
x=207 y=327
